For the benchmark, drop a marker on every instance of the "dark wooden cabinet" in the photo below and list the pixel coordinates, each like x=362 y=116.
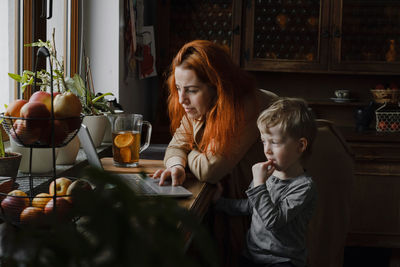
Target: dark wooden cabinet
x=345 y=36
x=375 y=217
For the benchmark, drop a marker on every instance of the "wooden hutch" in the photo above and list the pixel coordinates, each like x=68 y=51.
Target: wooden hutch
x=309 y=48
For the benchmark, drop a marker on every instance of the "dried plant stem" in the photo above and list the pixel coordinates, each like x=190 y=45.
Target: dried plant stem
x=89 y=81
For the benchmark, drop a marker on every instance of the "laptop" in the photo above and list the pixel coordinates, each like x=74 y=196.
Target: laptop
x=142 y=185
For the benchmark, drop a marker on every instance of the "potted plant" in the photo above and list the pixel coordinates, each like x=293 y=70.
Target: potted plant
x=90 y=104
x=43 y=81
x=93 y=107
x=9 y=161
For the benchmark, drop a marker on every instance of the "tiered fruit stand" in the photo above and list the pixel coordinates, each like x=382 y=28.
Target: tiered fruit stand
x=21 y=130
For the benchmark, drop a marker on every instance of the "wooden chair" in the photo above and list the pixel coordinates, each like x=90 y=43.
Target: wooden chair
x=332 y=168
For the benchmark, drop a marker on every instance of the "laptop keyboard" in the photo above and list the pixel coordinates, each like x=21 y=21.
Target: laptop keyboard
x=139 y=186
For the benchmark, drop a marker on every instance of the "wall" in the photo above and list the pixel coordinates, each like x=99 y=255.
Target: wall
x=100 y=41
x=103 y=31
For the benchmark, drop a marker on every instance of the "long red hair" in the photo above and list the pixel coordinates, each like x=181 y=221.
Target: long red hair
x=213 y=66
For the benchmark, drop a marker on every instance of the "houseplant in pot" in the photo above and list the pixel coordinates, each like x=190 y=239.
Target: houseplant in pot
x=44 y=81
x=9 y=164
x=93 y=108
x=9 y=161
x=61 y=85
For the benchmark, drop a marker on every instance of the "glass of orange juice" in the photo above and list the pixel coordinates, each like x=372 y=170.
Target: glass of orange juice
x=126 y=139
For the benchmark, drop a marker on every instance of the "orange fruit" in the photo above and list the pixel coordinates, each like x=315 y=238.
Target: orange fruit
x=40 y=200
x=125 y=153
x=32 y=216
x=123 y=140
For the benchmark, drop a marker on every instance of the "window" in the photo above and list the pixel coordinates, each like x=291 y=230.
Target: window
x=7 y=32
x=22 y=22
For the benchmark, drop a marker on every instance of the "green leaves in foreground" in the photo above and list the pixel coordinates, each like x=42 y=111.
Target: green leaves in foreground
x=116 y=227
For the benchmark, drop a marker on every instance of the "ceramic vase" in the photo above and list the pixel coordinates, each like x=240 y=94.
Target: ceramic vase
x=96 y=125
x=67 y=154
x=42 y=158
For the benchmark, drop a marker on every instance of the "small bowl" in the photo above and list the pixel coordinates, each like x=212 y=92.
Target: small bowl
x=344 y=94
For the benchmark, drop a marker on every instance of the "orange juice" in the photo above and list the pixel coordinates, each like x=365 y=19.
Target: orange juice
x=126 y=146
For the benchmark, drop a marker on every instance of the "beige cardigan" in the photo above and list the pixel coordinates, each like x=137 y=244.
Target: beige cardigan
x=246 y=150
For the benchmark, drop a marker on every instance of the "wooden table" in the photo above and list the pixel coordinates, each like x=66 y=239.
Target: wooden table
x=197 y=204
x=202 y=192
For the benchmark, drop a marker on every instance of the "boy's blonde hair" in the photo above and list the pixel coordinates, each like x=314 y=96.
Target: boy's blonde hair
x=294 y=117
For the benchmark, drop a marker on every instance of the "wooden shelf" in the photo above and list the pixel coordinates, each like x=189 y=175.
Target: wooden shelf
x=371 y=135
x=329 y=102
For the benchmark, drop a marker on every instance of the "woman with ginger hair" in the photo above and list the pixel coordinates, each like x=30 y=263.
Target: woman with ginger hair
x=213 y=107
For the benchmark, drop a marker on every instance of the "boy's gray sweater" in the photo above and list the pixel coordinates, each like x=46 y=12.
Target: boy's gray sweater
x=281 y=211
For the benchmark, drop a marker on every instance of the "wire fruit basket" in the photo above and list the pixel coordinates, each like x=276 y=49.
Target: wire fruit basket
x=387 y=119
x=37 y=132
x=18 y=195
x=41 y=206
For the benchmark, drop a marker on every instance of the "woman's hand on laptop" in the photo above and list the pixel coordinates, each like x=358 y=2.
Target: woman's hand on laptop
x=175 y=173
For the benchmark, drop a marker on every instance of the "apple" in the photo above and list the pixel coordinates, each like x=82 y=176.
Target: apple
x=14 y=108
x=62 y=211
x=44 y=97
x=15 y=202
x=32 y=216
x=36 y=112
x=21 y=133
x=67 y=105
x=73 y=124
x=60 y=133
x=6 y=186
x=62 y=184
x=382 y=125
x=77 y=187
x=40 y=200
x=395 y=126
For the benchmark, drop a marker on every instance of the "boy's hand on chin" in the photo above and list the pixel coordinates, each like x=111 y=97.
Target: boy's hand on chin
x=261 y=172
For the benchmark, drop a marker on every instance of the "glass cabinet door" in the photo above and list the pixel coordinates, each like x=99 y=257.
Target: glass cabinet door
x=207 y=19
x=286 y=35
x=366 y=36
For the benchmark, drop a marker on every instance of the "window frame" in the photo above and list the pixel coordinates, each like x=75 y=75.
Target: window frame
x=34 y=28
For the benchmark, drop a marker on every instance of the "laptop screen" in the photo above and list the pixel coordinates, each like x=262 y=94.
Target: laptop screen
x=88 y=146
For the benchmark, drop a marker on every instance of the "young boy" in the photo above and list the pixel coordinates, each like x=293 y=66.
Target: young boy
x=281 y=197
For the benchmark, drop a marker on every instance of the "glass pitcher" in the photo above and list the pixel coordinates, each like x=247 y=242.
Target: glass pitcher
x=126 y=139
